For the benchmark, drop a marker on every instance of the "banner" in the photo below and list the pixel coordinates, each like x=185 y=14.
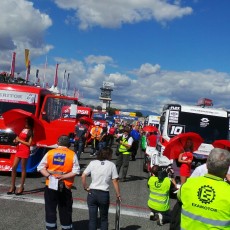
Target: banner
x=27 y=58
x=37 y=77
x=28 y=72
x=56 y=76
x=12 y=69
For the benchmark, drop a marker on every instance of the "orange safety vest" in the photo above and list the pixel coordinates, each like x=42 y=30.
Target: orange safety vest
x=96 y=132
x=60 y=161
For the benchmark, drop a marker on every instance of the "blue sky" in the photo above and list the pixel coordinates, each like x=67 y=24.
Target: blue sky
x=154 y=51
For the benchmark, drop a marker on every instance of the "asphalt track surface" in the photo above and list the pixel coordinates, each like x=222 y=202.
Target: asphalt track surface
x=27 y=212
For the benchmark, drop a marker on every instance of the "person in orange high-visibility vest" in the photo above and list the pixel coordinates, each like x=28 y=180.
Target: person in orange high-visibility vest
x=95 y=136
x=59 y=166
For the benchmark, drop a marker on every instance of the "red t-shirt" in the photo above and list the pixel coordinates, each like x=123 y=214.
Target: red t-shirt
x=185 y=169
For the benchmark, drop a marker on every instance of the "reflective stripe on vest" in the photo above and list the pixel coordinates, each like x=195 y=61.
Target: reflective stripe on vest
x=60 y=161
x=159 y=193
x=219 y=223
x=158 y=201
x=206 y=203
x=122 y=148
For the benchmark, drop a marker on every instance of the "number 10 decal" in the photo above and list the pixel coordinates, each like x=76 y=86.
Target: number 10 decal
x=175 y=130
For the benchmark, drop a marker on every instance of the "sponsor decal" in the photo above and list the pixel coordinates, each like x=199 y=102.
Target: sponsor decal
x=174 y=108
x=206 y=194
x=8 y=150
x=5 y=168
x=204 y=207
x=175 y=129
x=173 y=120
x=59 y=159
x=15 y=96
x=204 y=122
x=173 y=114
x=81 y=111
x=157 y=184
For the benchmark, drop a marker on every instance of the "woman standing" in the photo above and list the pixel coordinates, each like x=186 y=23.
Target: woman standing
x=185 y=158
x=24 y=141
x=102 y=171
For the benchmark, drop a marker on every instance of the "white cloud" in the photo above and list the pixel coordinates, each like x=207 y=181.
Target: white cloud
x=92 y=59
x=114 y=13
x=22 y=26
x=149 y=93
x=147 y=69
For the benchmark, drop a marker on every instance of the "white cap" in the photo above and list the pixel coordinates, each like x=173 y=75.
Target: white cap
x=97 y=123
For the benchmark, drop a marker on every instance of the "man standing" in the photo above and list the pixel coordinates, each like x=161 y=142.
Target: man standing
x=136 y=137
x=59 y=166
x=80 y=138
x=95 y=136
x=123 y=158
x=205 y=199
x=111 y=133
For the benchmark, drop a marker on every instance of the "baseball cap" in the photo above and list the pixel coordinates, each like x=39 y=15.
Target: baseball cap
x=97 y=123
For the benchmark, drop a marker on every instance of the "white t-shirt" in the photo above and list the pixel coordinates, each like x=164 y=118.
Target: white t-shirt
x=101 y=173
x=202 y=170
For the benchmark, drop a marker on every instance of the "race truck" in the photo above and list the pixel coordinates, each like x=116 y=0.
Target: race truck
x=46 y=106
x=99 y=116
x=210 y=123
x=81 y=112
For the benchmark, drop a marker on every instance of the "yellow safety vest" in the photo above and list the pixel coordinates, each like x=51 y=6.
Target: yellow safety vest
x=123 y=149
x=206 y=203
x=159 y=193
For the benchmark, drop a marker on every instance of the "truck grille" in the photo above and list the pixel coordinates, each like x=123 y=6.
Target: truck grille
x=7 y=138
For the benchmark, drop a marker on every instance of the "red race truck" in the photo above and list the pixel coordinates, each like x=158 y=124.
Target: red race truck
x=46 y=106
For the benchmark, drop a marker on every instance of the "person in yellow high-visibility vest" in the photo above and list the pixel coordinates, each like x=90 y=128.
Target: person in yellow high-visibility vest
x=125 y=143
x=205 y=199
x=159 y=186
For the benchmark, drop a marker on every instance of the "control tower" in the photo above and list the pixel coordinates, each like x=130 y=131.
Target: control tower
x=105 y=96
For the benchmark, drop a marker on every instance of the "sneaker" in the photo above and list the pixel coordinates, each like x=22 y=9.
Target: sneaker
x=152 y=216
x=159 y=219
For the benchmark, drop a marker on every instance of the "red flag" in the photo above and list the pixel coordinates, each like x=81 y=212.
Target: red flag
x=56 y=76
x=12 y=69
x=74 y=92
x=44 y=76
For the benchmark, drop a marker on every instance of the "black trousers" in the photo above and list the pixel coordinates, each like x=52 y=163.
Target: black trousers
x=135 y=146
x=123 y=161
x=63 y=201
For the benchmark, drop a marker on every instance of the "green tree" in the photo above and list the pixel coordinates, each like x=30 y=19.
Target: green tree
x=139 y=114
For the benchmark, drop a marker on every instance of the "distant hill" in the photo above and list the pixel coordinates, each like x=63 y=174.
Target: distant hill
x=144 y=112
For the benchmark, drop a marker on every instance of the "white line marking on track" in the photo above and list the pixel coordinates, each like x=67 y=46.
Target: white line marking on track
x=77 y=205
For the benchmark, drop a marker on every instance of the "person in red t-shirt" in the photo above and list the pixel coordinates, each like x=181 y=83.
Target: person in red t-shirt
x=185 y=158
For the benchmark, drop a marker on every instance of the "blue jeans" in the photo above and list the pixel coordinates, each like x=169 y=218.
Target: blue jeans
x=78 y=148
x=98 y=199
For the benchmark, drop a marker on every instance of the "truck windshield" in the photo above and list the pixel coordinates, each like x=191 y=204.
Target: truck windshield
x=6 y=106
x=210 y=128
x=56 y=108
